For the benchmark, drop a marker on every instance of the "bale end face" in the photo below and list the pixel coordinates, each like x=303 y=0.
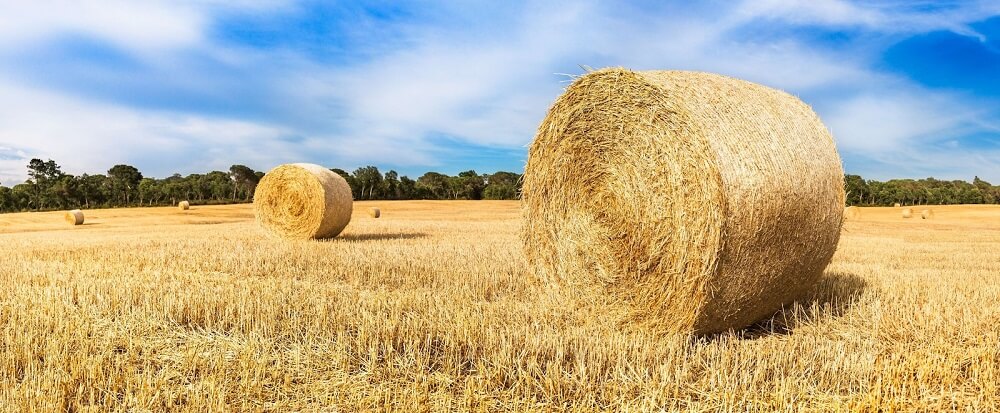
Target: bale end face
x=303 y=201
x=74 y=217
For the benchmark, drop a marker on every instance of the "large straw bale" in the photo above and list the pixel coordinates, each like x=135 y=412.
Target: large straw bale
x=303 y=201
x=681 y=201
x=74 y=217
x=183 y=205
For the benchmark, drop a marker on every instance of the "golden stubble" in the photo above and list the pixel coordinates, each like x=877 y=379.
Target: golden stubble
x=432 y=308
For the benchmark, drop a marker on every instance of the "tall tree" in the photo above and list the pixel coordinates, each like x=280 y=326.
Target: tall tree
x=125 y=181
x=502 y=185
x=390 y=185
x=435 y=185
x=369 y=179
x=244 y=179
x=42 y=176
x=467 y=185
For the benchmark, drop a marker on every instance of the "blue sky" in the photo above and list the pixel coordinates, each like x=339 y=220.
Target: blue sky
x=908 y=88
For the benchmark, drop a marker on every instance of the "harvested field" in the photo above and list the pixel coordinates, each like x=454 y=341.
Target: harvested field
x=433 y=307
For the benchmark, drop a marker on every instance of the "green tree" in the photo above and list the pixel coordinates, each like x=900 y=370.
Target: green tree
x=857 y=189
x=124 y=180
x=502 y=185
x=6 y=200
x=218 y=185
x=94 y=190
x=149 y=190
x=434 y=185
x=390 y=185
x=407 y=188
x=244 y=181
x=353 y=183
x=42 y=176
x=467 y=185
x=369 y=180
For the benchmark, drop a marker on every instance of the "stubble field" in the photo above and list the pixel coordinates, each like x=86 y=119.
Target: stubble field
x=430 y=308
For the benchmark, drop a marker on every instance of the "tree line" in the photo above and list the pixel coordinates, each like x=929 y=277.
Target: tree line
x=49 y=188
x=927 y=191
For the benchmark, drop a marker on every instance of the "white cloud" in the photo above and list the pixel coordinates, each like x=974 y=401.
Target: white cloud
x=892 y=119
x=88 y=137
x=903 y=16
x=134 y=25
x=486 y=87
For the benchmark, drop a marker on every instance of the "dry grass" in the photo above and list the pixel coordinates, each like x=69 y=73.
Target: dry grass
x=432 y=308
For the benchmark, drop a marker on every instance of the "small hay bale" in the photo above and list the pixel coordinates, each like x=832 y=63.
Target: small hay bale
x=680 y=201
x=896 y=205
x=927 y=214
x=74 y=217
x=184 y=205
x=303 y=201
x=852 y=213
x=374 y=212
x=907 y=212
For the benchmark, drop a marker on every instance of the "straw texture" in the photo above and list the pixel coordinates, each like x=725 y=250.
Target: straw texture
x=681 y=201
x=927 y=214
x=183 y=205
x=907 y=212
x=303 y=201
x=374 y=212
x=74 y=217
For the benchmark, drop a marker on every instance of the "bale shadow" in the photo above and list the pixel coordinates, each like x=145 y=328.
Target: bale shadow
x=832 y=297
x=379 y=237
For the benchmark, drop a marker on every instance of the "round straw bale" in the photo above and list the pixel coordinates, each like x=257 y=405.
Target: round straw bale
x=681 y=201
x=374 y=212
x=896 y=205
x=74 y=217
x=852 y=213
x=183 y=205
x=303 y=201
x=907 y=212
x=927 y=214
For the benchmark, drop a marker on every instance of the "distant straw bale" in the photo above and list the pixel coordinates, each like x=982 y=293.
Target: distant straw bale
x=896 y=205
x=183 y=205
x=681 y=201
x=74 y=217
x=927 y=214
x=374 y=212
x=303 y=201
x=852 y=213
x=907 y=212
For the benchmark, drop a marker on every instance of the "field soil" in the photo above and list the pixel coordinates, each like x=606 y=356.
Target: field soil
x=431 y=308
